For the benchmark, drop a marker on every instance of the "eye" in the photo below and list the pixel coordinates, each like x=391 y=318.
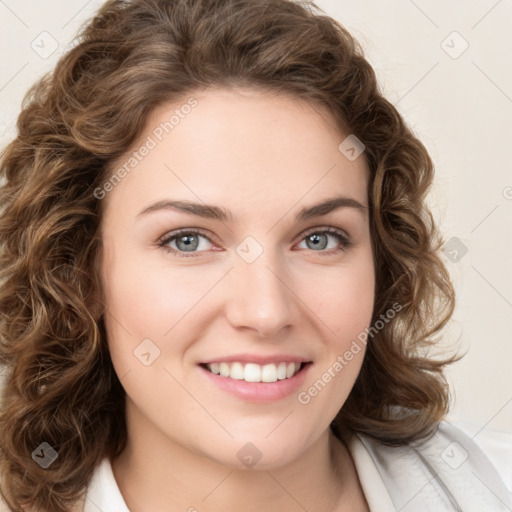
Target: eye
x=185 y=241
x=188 y=242
x=318 y=240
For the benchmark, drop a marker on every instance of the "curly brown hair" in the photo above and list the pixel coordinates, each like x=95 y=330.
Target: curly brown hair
x=60 y=386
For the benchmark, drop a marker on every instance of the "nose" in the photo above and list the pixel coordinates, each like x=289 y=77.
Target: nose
x=260 y=298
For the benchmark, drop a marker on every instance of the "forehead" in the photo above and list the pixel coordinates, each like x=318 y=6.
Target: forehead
x=241 y=146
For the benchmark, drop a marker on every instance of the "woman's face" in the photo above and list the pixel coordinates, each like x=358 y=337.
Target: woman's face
x=253 y=278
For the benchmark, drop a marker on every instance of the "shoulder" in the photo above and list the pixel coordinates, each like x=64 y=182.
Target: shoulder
x=448 y=471
x=496 y=445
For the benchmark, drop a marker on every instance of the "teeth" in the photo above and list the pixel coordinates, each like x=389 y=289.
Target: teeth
x=282 y=370
x=224 y=369
x=252 y=372
x=237 y=371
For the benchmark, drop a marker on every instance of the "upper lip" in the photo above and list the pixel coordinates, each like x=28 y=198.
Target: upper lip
x=259 y=359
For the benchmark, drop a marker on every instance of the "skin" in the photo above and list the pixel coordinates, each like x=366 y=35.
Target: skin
x=262 y=156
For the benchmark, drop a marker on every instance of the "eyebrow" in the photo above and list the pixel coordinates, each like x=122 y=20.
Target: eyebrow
x=218 y=213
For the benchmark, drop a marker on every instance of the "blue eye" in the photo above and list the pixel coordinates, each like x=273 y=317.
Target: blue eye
x=319 y=240
x=191 y=242
x=185 y=241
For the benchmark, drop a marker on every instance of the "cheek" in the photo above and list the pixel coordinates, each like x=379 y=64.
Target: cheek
x=343 y=299
x=148 y=300
x=152 y=298
x=344 y=303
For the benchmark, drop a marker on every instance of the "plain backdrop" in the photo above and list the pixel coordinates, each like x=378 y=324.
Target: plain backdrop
x=446 y=68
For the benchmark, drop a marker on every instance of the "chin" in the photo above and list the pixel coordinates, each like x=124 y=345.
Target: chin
x=250 y=453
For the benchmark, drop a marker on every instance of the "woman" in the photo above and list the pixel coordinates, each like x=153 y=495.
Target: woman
x=220 y=278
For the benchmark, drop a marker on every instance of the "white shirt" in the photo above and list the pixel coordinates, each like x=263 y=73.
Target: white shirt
x=446 y=473
x=103 y=494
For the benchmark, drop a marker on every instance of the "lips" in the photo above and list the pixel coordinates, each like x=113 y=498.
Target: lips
x=257 y=391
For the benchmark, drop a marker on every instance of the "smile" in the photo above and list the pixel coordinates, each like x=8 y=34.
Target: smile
x=252 y=372
x=257 y=383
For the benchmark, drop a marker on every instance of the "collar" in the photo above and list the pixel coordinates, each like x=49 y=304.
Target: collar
x=103 y=492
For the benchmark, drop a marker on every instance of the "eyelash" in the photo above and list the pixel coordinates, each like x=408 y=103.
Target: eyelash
x=345 y=241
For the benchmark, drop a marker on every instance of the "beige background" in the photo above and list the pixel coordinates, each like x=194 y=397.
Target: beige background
x=458 y=100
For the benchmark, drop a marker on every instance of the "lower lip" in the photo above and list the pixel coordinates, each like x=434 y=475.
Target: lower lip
x=259 y=391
